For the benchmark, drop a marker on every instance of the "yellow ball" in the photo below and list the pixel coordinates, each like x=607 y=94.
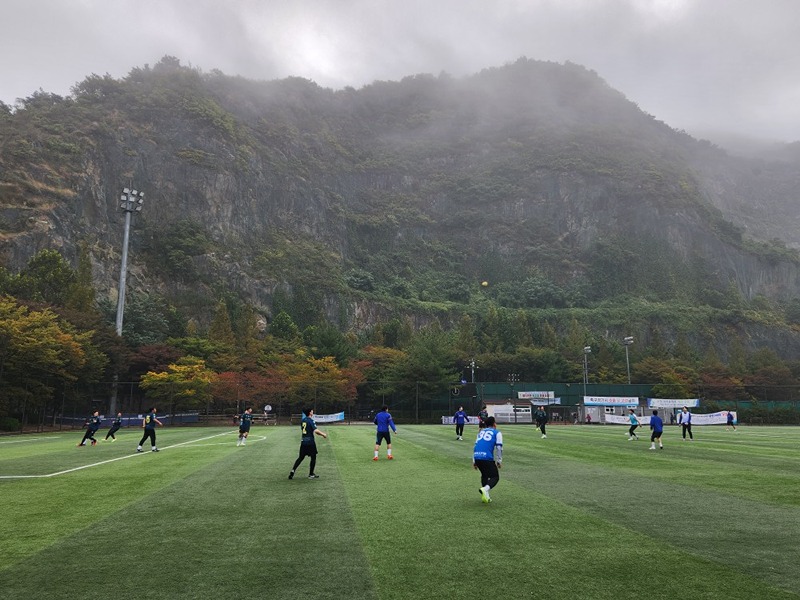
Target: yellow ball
x=485 y=283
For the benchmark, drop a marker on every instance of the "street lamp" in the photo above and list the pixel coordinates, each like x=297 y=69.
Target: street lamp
x=627 y=341
x=587 y=350
x=131 y=201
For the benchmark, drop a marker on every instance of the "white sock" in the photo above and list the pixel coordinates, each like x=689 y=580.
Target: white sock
x=376 y=454
x=389 y=452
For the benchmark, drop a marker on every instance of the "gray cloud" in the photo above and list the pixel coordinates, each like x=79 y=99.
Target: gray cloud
x=699 y=65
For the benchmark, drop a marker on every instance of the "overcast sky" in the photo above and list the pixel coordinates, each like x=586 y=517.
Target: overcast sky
x=698 y=65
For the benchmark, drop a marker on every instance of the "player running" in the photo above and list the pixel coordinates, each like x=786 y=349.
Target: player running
x=245 y=420
x=634 y=424
x=115 y=425
x=149 y=425
x=657 y=425
x=384 y=422
x=487 y=457
x=92 y=425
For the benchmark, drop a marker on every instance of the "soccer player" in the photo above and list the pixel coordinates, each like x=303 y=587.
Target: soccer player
x=657 y=426
x=244 y=426
x=729 y=422
x=384 y=421
x=149 y=425
x=308 y=446
x=459 y=419
x=685 y=419
x=541 y=421
x=482 y=416
x=92 y=425
x=634 y=424
x=115 y=425
x=487 y=457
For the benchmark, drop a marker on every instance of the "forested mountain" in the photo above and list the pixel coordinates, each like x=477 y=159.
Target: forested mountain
x=399 y=200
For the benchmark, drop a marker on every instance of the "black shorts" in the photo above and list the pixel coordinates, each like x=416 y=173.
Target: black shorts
x=383 y=435
x=244 y=430
x=656 y=435
x=308 y=449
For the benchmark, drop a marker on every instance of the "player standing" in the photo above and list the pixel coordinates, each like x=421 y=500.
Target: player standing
x=541 y=421
x=244 y=426
x=657 y=426
x=115 y=425
x=384 y=422
x=92 y=425
x=482 y=416
x=634 y=424
x=308 y=446
x=149 y=425
x=459 y=419
x=487 y=457
x=685 y=419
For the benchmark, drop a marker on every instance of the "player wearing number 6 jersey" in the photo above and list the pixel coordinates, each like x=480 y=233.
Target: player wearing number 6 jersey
x=487 y=457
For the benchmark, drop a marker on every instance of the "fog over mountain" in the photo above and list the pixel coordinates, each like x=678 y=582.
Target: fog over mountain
x=711 y=67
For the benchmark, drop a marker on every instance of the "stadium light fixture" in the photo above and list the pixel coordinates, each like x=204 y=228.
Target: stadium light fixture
x=627 y=341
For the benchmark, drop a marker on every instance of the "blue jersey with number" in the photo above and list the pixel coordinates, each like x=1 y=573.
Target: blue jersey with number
x=488 y=440
x=150 y=421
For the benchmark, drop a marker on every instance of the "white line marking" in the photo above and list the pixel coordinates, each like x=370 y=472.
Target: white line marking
x=103 y=462
x=44 y=439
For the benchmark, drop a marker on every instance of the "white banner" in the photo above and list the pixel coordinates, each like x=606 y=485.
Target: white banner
x=623 y=420
x=329 y=418
x=717 y=418
x=610 y=401
x=506 y=413
x=536 y=395
x=449 y=420
x=673 y=403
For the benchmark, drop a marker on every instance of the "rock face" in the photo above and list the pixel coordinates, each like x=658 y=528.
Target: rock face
x=262 y=188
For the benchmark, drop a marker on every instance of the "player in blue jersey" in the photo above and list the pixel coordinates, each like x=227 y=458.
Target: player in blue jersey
x=149 y=425
x=92 y=425
x=487 y=457
x=245 y=420
x=308 y=446
x=384 y=422
x=657 y=426
x=729 y=422
x=634 y=424
x=459 y=419
x=115 y=425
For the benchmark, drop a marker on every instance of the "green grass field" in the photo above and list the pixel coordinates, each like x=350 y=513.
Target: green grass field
x=582 y=514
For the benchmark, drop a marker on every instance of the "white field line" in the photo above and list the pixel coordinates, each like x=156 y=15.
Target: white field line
x=103 y=462
x=44 y=439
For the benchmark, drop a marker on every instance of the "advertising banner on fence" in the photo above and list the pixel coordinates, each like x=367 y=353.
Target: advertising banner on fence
x=506 y=413
x=329 y=418
x=717 y=418
x=623 y=420
x=673 y=403
x=536 y=396
x=611 y=401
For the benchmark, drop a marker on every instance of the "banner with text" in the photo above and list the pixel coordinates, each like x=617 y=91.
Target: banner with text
x=536 y=396
x=329 y=418
x=673 y=403
x=611 y=401
x=623 y=420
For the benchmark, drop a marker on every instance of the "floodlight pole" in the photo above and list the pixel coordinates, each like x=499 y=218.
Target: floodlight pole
x=587 y=350
x=130 y=202
x=628 y=341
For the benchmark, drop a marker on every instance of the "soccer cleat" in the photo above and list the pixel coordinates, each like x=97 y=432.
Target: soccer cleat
x=390 y=457
x=81 y=444
x=155 y=450
x=313 y=476
x=94 y=442
x=374 y=458
x=113 y=439
x=139 y=450
x=291 y=474
x=661 y=447
x=653 y=447
x=544 y=437
x=484 y=496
